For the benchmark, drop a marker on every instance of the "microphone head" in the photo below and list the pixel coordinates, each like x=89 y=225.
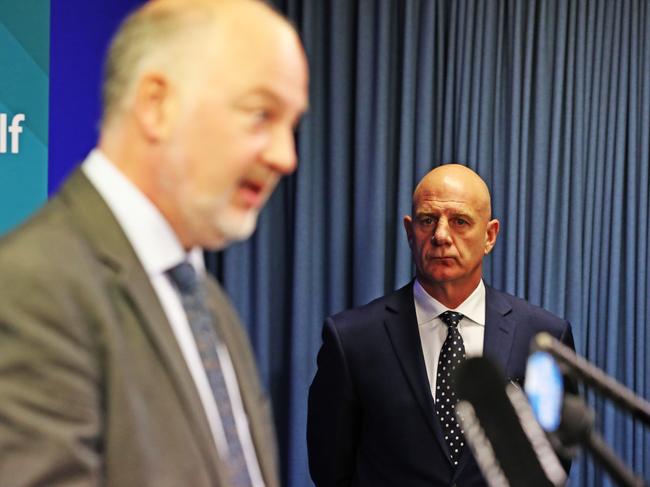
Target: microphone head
x=577 y=421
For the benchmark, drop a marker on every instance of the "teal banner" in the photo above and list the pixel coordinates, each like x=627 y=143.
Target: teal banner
x=24 y=86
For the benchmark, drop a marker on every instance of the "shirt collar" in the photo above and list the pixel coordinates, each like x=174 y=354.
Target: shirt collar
x=151 y=236
x=428 y=308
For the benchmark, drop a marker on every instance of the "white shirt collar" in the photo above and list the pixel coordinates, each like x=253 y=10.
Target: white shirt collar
x=428 y=308
x=151 y=236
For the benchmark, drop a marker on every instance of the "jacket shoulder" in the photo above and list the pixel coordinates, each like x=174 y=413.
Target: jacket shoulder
x=527 y=311
x=367 y=315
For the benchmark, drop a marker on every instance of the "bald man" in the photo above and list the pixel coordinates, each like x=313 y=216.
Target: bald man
x=379 y=411
x=121 y=362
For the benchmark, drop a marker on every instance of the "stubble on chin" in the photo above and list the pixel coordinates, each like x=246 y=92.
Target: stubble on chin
x=236 y=225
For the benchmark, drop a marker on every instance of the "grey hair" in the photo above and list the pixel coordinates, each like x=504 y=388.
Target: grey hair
x=150 y=38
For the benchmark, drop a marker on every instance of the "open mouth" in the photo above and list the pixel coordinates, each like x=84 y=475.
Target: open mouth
x=252 y=192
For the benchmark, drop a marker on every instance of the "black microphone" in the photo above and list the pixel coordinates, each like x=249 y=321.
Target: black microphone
x=577 y=426
x=576 y=419
x=509 y=445
x=592 y=376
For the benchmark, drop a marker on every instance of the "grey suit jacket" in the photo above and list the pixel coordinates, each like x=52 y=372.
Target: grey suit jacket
x=94 y=389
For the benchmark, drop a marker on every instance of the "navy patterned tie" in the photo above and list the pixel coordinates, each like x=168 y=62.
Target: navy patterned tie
x=193 y=297
x=452 y=355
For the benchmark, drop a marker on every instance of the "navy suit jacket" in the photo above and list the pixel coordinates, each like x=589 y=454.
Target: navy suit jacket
x=371 y=419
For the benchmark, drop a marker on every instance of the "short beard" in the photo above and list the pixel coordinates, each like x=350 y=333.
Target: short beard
x=219 y=224
x=236 y=225
x=210 y=220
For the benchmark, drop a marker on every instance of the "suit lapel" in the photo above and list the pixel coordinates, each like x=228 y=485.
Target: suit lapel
x=402 y=327
x=499 y=328
x=254 y=401
x=137 y=290
x=497 y=343
x=131 y=285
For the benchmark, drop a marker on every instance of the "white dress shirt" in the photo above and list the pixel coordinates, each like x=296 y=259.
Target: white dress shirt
x=158 y=250
x=433 y=331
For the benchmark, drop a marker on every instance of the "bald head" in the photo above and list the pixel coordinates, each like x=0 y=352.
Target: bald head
x=456 y=181
x=179 y=37
x=450 y=232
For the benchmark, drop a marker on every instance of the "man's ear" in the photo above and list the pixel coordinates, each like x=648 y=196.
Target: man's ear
x=408 y=227
x=155 y=106
x=491 y=233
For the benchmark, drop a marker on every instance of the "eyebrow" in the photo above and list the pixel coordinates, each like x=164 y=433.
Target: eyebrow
x=268 y=95
x=259 y=93
x=451 y=214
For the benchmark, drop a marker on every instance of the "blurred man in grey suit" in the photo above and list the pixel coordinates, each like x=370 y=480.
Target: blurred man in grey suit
x=121 y=362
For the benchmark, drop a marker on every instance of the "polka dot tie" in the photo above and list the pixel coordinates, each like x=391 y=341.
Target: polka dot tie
x=452 y=354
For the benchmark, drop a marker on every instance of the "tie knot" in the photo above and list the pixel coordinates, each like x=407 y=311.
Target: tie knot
x=184 y=276
x=451 y=318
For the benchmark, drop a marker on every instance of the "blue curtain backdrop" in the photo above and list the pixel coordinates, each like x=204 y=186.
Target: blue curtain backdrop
x=548 y=100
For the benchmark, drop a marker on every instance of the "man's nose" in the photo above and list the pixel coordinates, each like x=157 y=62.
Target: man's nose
x=441 y=232
x=280 y=154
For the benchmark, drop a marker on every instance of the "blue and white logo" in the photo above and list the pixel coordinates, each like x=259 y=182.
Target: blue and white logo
x=24 y=90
